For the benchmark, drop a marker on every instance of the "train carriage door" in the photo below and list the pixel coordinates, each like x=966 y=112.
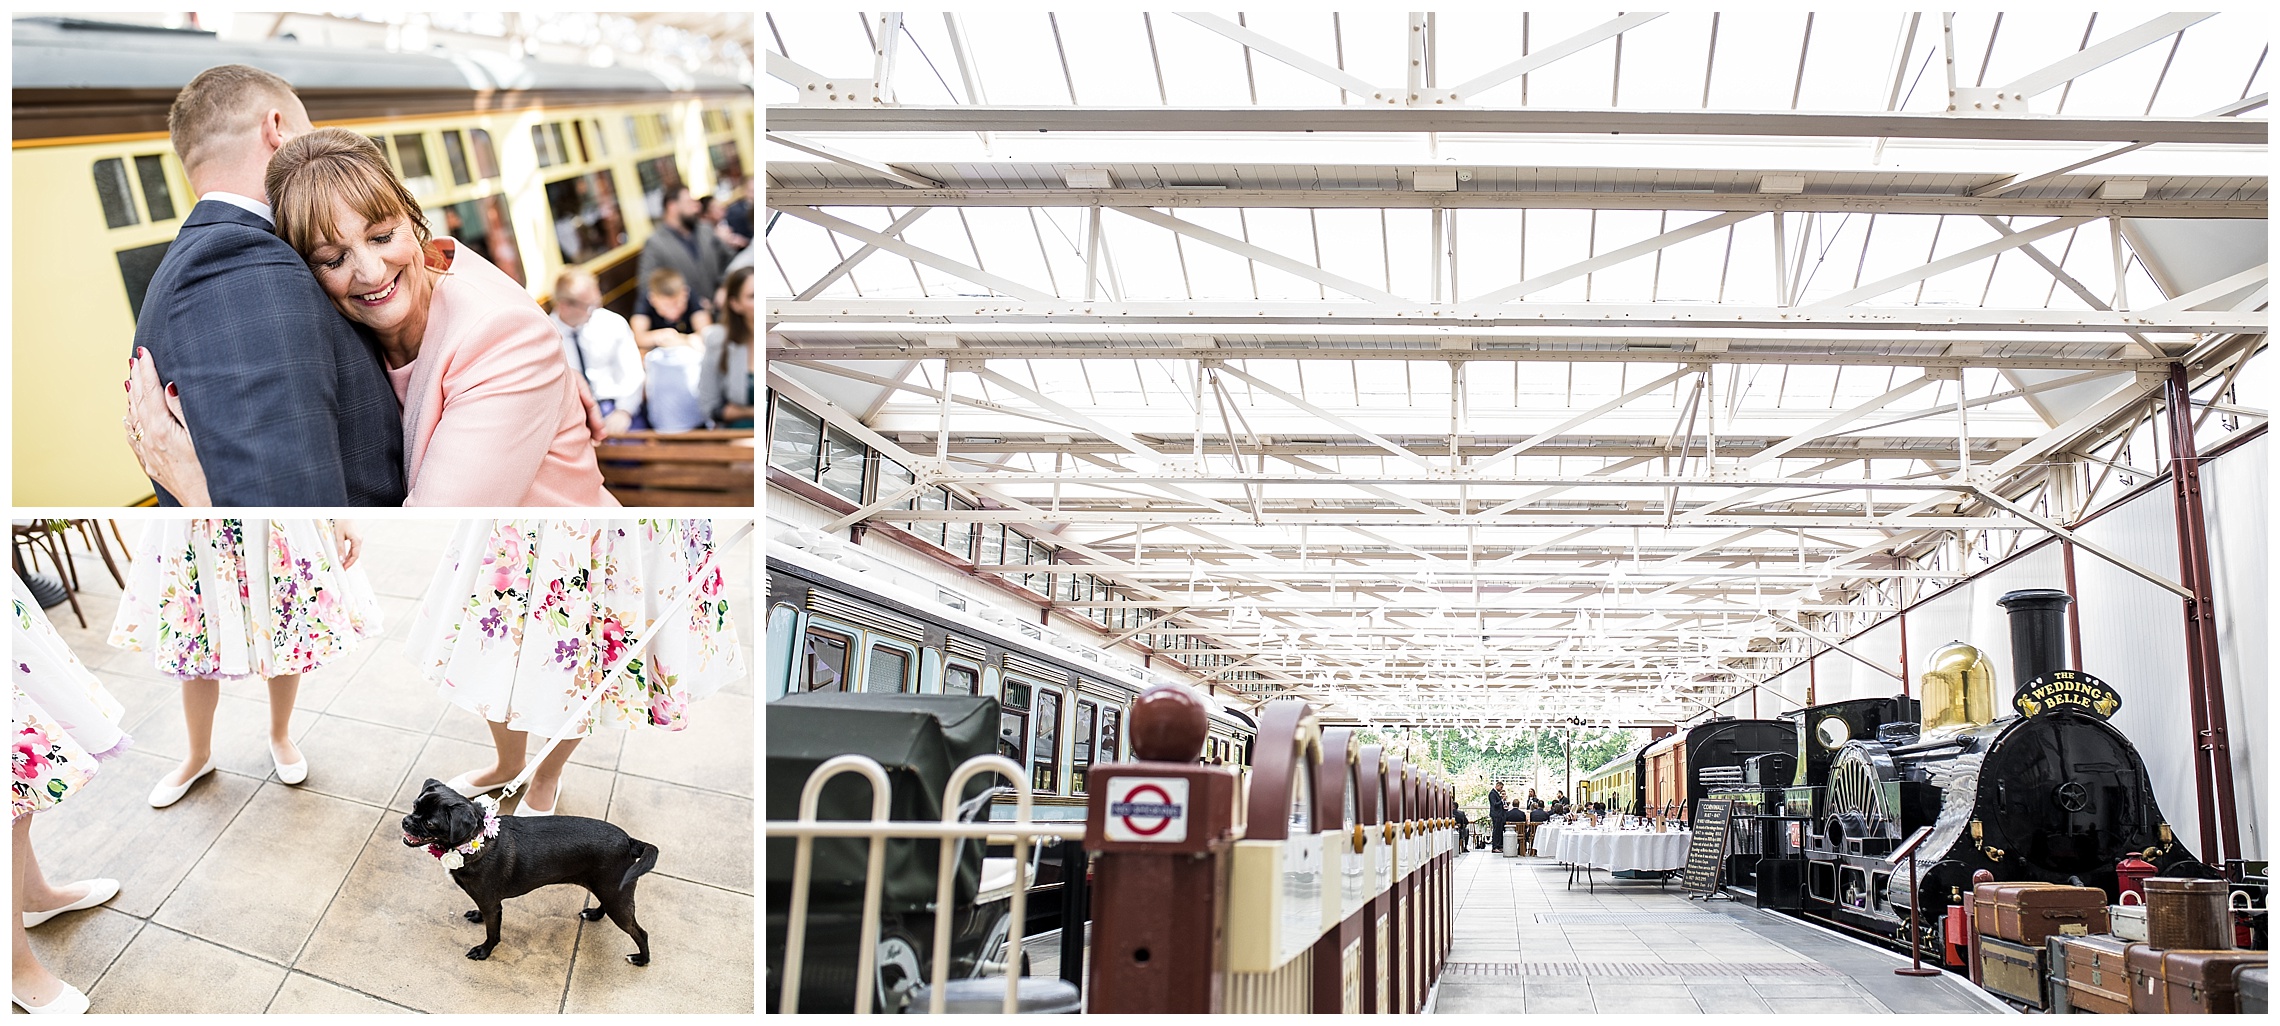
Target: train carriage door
x=1111 y=735
x=1045 y=743
x=960 y=678
x=1013 y=721
x=888 y=670
x=1082 y=736
x=824 y=662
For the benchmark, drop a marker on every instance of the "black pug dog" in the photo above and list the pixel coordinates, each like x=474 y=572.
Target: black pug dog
x=530 y=853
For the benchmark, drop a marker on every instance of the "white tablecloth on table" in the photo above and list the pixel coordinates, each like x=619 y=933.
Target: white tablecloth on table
x=1620 y=850
x=1548 y=837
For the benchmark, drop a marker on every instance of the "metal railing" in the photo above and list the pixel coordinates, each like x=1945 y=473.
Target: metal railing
x=1021 y=830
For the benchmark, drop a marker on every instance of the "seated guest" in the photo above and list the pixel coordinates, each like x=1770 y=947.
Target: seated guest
x=675 y=400
x=599 y=345
x=665 y=314
x=725 y=382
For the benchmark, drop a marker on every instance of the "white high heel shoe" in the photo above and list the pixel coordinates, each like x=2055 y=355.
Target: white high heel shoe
x=98 y=891
x=164 y=794
x=467 y=788
x=69 y=1002
x=290 y=772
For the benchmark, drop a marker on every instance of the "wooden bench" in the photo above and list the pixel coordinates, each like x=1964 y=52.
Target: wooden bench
x=687 y=468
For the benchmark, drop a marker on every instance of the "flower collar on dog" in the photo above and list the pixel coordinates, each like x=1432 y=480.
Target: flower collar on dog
x=453 y=858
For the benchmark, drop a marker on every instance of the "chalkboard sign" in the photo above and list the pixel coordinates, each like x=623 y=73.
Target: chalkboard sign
x=1706 y=856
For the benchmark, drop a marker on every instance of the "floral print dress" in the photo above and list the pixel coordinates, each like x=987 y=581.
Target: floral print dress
x=64 y=721
x=242 y=598
x=526 y=618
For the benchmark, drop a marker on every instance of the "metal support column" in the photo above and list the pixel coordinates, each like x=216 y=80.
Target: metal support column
x=2212 y=758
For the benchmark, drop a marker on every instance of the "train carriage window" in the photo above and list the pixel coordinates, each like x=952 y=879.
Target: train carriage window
x=587 y=219
x=1081 y=744
x=601 y=142
x=136 y=268
x=150 y=169
x=889 y=671
x=825 y=662
x=117 y=196
x=725 y=160
x=657 y=175
x=546 y=141
x=1045 y=742
x=843 y=465
x=486 y=156
x=578 y=132
x=483 y=226
x=380 y=142
x=455 y=154
x=1013 y=721
x=960 y=679
x=796 y=441
x=412 y=159
x=1111 y=735
x=633 y=134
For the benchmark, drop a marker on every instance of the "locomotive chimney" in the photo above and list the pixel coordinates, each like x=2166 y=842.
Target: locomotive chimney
x=2038 y=633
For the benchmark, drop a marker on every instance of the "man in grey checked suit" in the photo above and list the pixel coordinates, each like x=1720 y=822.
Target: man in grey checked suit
x=286 y=401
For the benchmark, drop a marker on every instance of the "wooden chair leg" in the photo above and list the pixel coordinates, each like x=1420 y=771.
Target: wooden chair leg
x=94 y=534
x=62 y=541
x=124 y=549
x=60 y=573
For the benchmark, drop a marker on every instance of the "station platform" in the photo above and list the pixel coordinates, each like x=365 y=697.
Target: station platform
x=1525 y=942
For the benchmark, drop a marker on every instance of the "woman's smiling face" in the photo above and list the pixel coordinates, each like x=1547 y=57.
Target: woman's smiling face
x=373 y=272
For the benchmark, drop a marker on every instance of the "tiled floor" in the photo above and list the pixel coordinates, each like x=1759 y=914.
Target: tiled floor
x=1524 y=942
x=249 y=895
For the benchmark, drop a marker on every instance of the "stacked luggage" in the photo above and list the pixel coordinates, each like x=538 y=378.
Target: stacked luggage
x=2187 y=961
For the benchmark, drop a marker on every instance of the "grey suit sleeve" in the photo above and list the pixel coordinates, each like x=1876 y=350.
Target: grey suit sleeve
x=245 y=348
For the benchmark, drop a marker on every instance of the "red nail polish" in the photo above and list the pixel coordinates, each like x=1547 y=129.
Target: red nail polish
x=130 y=385
x=170 y=389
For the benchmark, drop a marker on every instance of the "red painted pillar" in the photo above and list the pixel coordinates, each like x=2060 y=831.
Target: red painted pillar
x=1162 y=826
x=2220 y=830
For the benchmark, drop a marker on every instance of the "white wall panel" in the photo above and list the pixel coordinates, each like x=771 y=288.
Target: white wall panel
x=2238 y=507
x=2133 y=637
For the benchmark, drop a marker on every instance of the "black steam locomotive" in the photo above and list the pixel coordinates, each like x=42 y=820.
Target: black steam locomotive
x=2049 y=791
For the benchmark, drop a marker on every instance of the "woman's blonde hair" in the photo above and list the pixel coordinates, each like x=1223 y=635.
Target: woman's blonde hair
x=313 y=170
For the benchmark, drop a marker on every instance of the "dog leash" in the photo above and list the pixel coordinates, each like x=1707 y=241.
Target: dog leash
x=633 y=651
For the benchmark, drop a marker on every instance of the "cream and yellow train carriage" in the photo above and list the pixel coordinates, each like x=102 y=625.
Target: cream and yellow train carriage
x=534 y=165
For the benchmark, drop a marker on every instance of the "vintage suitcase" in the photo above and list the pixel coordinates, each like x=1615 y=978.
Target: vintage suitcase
x=2186 y=981
x=2129 y=917
x=2183 y=914
x=2254 y=982
x=2012 y=970
x=2028 y=913
x=2054 y=980
x=2095 y=973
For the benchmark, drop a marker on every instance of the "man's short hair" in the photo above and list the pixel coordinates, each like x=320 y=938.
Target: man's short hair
x=666 y=281
x=221 y=102
x=573 y=279
x=675 y=191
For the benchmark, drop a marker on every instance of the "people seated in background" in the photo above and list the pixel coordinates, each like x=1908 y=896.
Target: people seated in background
x=1534 y=803
x=667 y=314
x=1560 y=804
x=684 y=243
x=599 y=345
x=724 y=382
x=735 y=228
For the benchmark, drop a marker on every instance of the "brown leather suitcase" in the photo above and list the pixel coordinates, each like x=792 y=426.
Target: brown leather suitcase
x=2183 y=914
x=2029 y=913
x=2012 y=970
x=2097 y=972
x=2186 y=981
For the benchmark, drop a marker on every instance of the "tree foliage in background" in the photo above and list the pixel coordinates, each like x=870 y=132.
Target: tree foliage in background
x=1475 y=757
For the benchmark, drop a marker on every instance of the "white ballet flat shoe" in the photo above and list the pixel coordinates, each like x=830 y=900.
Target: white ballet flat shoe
x=290 y=772
x=467 y=789
x=164 y=795
x=70 y=1002
x=524 y=810
x=99 y=891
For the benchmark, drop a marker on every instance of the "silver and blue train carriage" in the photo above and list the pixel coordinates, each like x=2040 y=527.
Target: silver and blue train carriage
x=1059 y=715
x=534 y=165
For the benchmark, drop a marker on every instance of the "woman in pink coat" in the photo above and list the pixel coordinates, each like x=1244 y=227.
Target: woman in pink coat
x=492 y=414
